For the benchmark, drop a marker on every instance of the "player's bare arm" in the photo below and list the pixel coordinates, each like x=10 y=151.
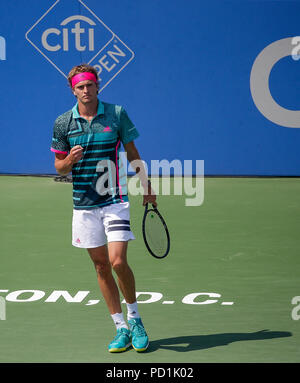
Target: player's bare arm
x=64 y=162
x=134 y=158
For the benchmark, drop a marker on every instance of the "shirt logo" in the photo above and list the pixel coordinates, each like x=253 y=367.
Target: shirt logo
x=107 y=129
x=61 y=34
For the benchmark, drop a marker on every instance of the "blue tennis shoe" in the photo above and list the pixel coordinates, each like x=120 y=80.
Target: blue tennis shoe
x=121 y=341
x=140 y=340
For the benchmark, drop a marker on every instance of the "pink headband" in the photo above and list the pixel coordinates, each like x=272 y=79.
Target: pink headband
x=83 y=77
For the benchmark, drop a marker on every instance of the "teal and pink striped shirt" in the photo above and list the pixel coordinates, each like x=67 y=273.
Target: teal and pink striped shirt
x=99 y=178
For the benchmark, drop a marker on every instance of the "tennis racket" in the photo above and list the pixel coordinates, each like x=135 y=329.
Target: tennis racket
x=155 y=233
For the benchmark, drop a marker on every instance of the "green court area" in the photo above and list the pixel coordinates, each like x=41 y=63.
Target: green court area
x=223 y=294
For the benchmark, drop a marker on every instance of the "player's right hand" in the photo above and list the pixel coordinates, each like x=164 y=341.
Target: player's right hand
x=76 y=154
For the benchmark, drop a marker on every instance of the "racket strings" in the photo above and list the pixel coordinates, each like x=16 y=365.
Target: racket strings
x=156 y=234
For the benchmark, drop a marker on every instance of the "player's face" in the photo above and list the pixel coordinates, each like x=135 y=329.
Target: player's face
x=85 y=91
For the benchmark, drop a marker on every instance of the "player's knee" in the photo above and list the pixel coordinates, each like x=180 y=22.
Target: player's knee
x=119 y=266
x=102 y=268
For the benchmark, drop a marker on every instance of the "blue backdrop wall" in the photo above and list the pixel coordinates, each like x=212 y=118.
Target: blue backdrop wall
x=204 y=80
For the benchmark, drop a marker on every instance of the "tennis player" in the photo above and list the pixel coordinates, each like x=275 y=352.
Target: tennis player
x=86 y=140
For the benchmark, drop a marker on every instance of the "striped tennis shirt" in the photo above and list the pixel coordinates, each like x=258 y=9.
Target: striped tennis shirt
x=99 y=179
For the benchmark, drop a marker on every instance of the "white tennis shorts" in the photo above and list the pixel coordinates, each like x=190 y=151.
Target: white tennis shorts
x=95 y=227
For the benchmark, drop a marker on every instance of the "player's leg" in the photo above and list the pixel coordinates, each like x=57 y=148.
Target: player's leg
x=118 y=259
x=111 y=296
x=116 y=219
x=106 y=281
x=88 y=232
x=117 y=251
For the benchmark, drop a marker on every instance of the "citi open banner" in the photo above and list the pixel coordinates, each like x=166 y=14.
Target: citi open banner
x=210 y=80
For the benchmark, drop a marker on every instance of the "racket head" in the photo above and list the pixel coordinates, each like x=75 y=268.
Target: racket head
x=155 y=233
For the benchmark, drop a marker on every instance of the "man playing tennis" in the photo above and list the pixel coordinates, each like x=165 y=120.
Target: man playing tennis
x=86 y=140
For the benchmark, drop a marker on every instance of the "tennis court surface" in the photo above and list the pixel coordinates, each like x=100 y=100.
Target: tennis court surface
x=223 y=294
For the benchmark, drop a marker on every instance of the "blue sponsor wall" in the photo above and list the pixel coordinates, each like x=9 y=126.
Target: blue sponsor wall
x=182 y=69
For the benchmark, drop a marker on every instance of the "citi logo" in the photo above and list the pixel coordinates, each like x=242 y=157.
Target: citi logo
x=65 y=35
x=2 y=48
x=69 y=33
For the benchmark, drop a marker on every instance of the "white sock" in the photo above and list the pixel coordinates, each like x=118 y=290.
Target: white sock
x=132 y=310
x=119 y=320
